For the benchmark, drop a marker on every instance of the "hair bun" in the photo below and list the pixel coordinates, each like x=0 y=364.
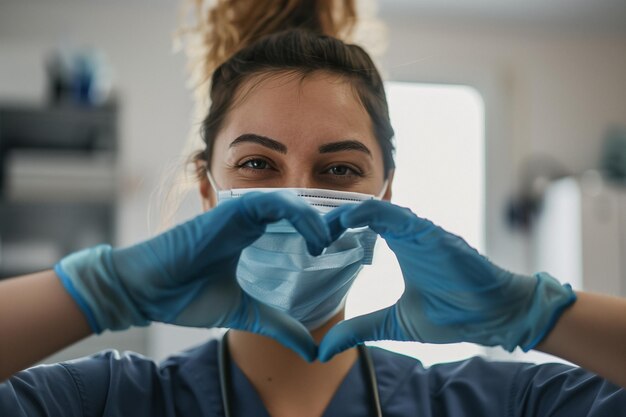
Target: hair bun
x=217 y=29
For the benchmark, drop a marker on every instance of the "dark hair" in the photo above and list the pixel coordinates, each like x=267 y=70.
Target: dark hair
x=301 y=52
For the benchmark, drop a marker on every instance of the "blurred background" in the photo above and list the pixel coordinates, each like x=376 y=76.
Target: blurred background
x=510 y=119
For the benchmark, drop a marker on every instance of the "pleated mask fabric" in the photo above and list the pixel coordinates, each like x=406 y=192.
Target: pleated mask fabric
x=278 y=270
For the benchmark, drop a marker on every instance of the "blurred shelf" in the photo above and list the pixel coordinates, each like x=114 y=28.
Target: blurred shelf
x=58 y=183
x=35 y=235
x=35 y=175
x=58 y=127
x=22 y=257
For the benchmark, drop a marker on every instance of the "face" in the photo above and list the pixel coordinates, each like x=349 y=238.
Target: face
x=292 y=132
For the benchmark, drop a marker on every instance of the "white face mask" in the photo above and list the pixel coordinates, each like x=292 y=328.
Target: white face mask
x=278 y=270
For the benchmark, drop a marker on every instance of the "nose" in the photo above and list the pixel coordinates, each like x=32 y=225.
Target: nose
x=299 y=180
x=300 y=184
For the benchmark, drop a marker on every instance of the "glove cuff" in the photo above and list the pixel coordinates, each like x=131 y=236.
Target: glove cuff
x=90 y=278
x=87 y=311
x=550 y=300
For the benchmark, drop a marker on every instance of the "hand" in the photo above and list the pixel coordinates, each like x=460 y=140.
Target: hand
x=452 y=293
x=186 y=276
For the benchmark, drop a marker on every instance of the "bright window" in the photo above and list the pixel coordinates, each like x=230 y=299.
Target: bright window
x=440 y=176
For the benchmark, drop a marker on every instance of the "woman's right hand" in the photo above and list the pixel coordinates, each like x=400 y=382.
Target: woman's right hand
x=187 y=275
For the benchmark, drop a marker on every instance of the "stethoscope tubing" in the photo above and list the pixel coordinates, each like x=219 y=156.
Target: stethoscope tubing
x=223 y=361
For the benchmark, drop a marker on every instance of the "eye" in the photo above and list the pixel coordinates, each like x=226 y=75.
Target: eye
x=343 y=171
x=255 y=164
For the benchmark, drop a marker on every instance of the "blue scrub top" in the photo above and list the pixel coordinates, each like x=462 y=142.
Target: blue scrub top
x=187 y=385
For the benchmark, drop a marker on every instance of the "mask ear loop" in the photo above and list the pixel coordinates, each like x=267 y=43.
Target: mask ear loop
x=212 y=182
x=380 y=195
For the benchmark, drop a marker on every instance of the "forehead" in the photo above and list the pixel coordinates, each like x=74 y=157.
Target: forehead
x=287 y=106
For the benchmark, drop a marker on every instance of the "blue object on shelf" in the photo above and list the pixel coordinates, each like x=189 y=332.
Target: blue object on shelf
x=79 y=76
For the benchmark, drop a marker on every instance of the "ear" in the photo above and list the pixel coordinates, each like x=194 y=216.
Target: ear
x=387 y=195
x=207 y=195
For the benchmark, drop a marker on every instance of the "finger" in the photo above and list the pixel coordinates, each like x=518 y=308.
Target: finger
x=271 y=207
x=379 y=325
x=384 y=218
x=273 y=323
x=333 y=220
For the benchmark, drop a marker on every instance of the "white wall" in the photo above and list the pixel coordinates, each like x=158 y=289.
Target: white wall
x=548 y=91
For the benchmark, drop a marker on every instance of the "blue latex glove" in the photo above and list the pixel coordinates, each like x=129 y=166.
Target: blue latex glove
x=186 y=276
x=452 y=293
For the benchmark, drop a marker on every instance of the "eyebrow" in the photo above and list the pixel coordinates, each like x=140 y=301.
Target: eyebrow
x=261 y=140
x=344 y=145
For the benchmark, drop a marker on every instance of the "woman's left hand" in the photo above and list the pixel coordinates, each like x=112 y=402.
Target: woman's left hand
x=452 y=293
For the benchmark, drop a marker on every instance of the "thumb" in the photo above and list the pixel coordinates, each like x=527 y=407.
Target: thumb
x=273 y=323
x=379 y=325
x=333 y=220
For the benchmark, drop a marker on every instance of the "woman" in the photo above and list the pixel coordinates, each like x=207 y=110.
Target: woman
x=305 y=112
